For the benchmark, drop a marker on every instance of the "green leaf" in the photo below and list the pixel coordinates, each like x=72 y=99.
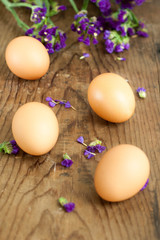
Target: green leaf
x=96 y=142
x=66 y=156
x=62 y=201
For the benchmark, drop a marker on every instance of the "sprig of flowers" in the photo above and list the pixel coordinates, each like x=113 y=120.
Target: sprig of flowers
x=67 y=162
x=52 y=103
x=117 y=26
x=93 y=147
x=10 y=147
x=42 y=27
x=68 y=206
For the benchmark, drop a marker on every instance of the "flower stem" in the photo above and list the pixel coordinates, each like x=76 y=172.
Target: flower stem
x=74 y=6
x=8 y=4
x=85 y=4
x=19 y=21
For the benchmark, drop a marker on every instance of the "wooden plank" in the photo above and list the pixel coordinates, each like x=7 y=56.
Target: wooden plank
x=30 y=186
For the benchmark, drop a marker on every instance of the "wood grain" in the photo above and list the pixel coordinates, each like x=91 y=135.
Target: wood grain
x=30 y=186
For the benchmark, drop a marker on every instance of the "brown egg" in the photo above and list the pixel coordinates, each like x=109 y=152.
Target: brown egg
x=121 y=173
x=27 y=58
x=35 y=128
x=111 y=97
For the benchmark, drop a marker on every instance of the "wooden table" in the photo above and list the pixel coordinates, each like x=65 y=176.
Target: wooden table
x=30 y=186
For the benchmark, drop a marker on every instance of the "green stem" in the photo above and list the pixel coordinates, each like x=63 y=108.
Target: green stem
x=74 y=6
x=19 y=21
x=85 y=4
x=8 y=4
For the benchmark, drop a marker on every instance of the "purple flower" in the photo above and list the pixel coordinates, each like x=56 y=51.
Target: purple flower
x=69 y=207
x=119 y=48
x=95 y=41
x=126 y=46
x=131 y=31
x=88 y=154
x=85 y=55
x=122 y=30
x=87 y=28
x=38 y=14
x=141 y=92
x=62 y=8
x=29 y=31
x=142 y=34
x=52 y=104
x=106 y=34
x=145 y=185
x=122 y=16
x=67 y=105
x=86 y=41
x=67 y=163
x=80 y=39
x=100 y=148
x=9 y=147
x=121 y=59
x=104 y=6
x=80 y=140
x=93 y=1
x=15 y=148
x=109 y=46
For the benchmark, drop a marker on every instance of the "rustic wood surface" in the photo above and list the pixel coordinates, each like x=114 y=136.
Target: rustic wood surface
x=30 y=186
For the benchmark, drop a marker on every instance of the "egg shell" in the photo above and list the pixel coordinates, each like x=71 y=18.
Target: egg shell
x=121 y=173
x=35 y=128
x=27 y=58
x=111 y=97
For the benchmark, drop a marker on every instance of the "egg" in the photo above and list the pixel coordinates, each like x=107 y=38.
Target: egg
x=121 y=173
x=27 y=58
x=111 y=97
x=35 y=128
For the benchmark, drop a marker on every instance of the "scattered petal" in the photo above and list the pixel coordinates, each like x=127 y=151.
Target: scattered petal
x=69 y=207
x=121 y=59
x=141 y=92
x=67 y=163
x=145 y=185
x=85 y=55
x=52 y=104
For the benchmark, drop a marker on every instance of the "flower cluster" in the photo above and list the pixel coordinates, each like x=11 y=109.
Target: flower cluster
x=10 y=147
x=52 y=103
x=118 y=26
x=93 y=147
x=68 y=206
x=121 y=25
x=52 y=38
x=67 y=162
x=88 y=29
x=38 y=14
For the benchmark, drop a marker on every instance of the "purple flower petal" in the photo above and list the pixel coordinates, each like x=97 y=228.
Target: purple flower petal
x=80 y=140
x=69 y=207
x=52 y=104
x=88 y=154
x=145 y=185
x=67 y=105
x=100 y=148
x=48 y=99
x=67 y=163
